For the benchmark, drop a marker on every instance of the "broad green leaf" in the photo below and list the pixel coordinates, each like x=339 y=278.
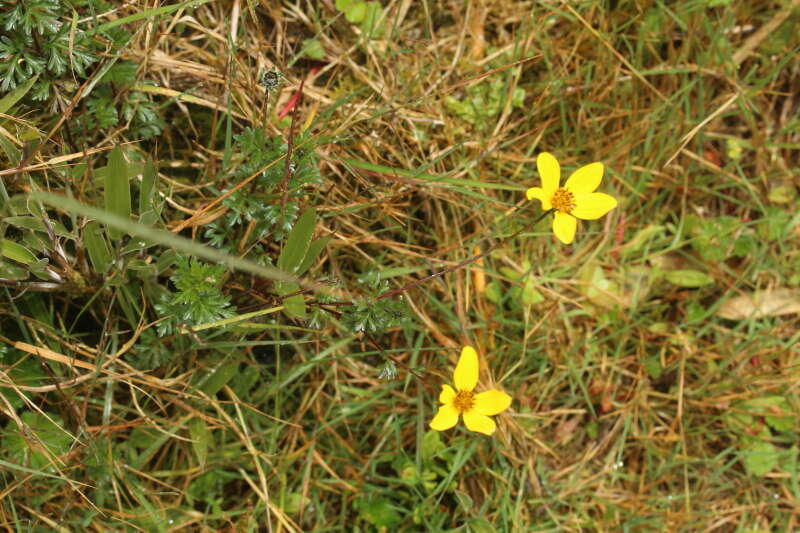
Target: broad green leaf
x=296 y=247
x=530 y=294
x=8 y=101
x=149 y=188
x=494 y=292
x=688 y=278
x=775 y=410
x=344 y=5
x=372 y=12
x=95 y=241
x=37 y=224
x=117 y=191
x=313 y=49
x=294 y=306
x=12 y=272
x=356 y=12
x=480 y=525
x=431 y=444
x=314 y=250
x=17 y=252
x=218 y=377
x=201 y=438
x=12 y=153
x=40 y=431
x=760 y=457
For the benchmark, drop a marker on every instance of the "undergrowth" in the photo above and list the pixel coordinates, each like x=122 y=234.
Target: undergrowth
x=221 y=222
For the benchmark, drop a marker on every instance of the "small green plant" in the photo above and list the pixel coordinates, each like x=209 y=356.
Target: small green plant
x=39 y=41
x=484 y=101
x=372 y=314
x=198 y=298
x=261 y=202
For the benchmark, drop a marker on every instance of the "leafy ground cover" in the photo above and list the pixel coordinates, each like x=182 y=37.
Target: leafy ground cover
x=218 y=218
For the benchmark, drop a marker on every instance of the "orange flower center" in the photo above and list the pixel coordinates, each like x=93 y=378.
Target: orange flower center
x=563 y=201
x=464 y=401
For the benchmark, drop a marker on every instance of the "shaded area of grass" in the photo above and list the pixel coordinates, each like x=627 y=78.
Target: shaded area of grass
x=653 y=363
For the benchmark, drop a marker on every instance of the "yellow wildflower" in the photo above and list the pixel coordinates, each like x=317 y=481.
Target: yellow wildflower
x=576 y=199
x=476 y=408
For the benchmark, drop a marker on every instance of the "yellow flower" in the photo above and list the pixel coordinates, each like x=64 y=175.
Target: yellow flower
x=476 y=408
x=576 y=199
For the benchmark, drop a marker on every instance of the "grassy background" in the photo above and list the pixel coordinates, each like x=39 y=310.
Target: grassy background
x=653 y=363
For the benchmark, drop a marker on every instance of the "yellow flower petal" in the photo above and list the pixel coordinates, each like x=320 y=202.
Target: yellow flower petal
x=564 y=227
x=478 y=422
x=539 y=194
x=491 y=402
x=593 y=205
x=446 y=418
x=549 y=171
x=586 y=179
x=466 y=374
x=447 y=395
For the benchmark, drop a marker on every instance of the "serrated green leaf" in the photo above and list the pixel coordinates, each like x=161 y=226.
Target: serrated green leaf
x=201 y=438
x=314 y=249
x=117 y=189
x=688 y=278
x=296 y=247
x=17 y=252
x=772 y=408
x=95 y=241
x=40 y=430
x=760 y=457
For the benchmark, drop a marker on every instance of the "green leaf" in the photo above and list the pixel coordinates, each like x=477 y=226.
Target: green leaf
x=201 y=438
x=377 y=511
x=760 y=457
x=218 y=377
x=313 y=49
x=148 y=189
x=372 y=13
x=356 y=12
x=12 y=272
x=117 y=192
x=16 y=95
x=688 y=278
x=17 y=252
x=772 y=408
x=95 y=241
x=296 y=247
x=431 y=444
x=294 y=306
x=480 y=525
x=344 y=5
x=314 y=249
x=40 y=430
x=530 y=295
